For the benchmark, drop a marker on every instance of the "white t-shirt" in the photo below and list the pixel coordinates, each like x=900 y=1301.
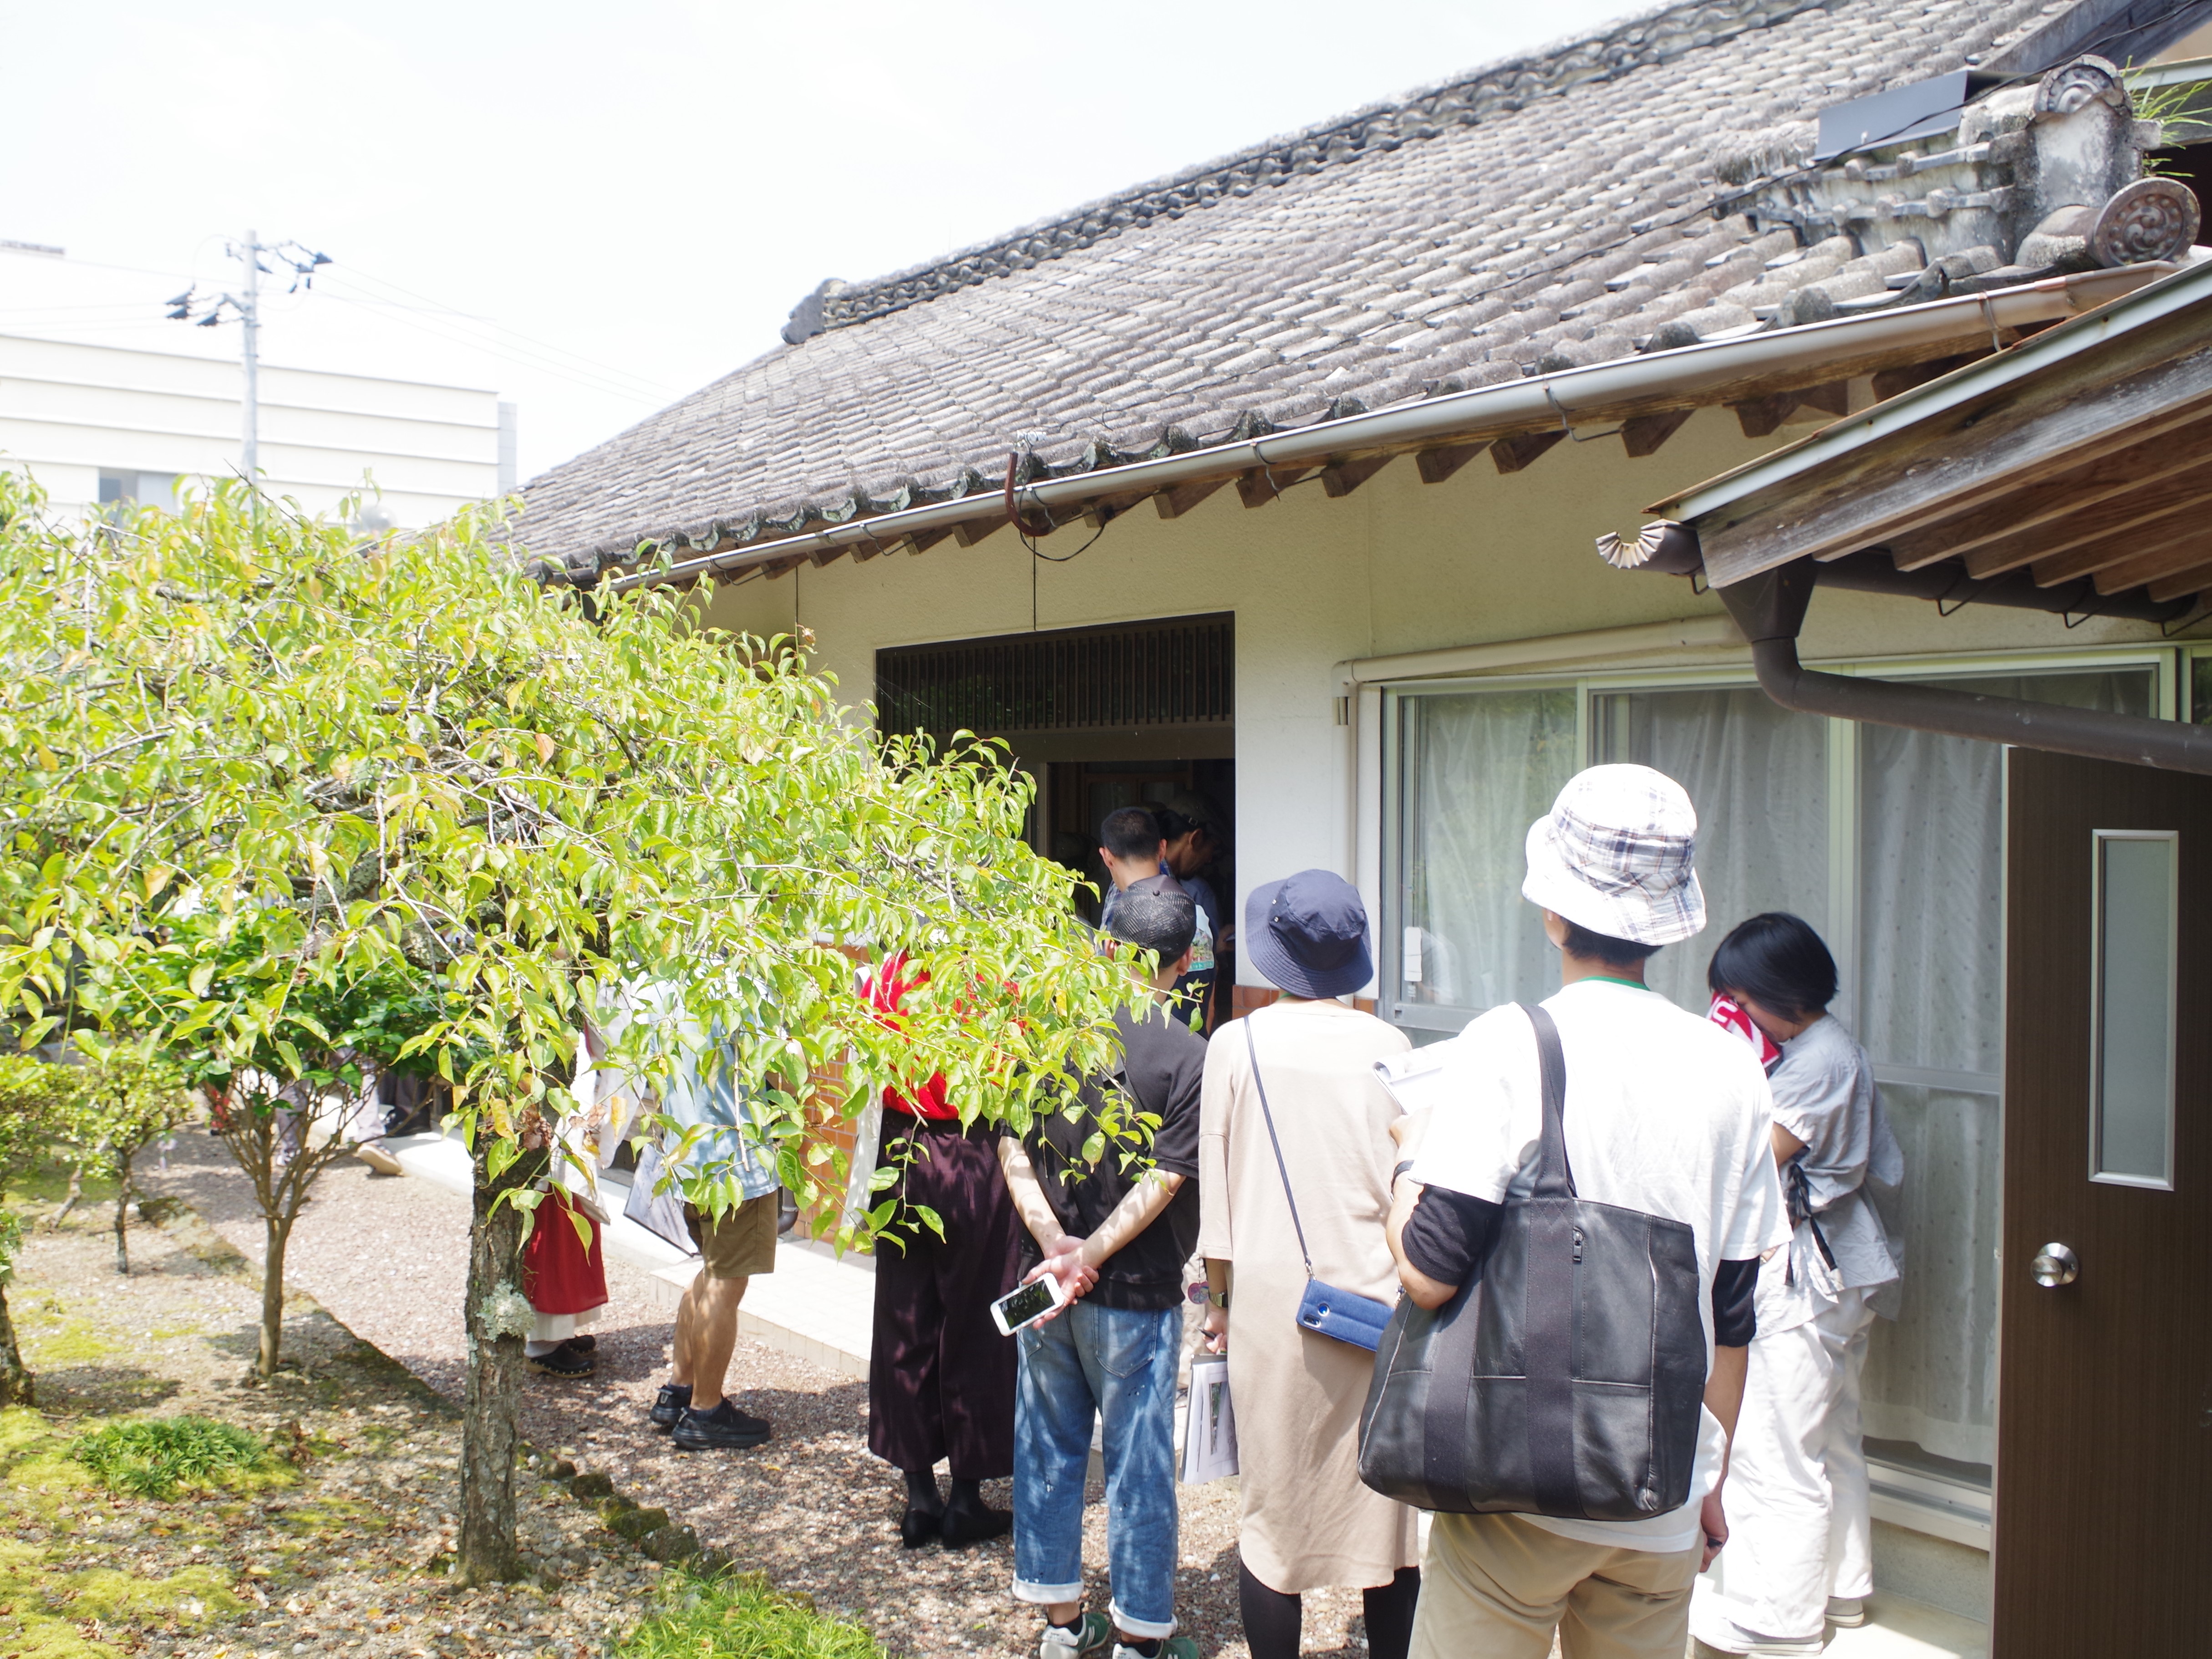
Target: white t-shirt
x=1666 y=1114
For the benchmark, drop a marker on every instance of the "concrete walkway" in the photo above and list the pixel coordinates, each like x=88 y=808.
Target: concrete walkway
x=813 y=1306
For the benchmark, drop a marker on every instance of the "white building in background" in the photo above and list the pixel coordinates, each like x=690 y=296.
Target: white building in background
x=103 y=402
x=99 y=424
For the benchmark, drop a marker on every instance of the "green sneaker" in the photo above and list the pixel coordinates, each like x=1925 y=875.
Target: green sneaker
x=1088 y=1639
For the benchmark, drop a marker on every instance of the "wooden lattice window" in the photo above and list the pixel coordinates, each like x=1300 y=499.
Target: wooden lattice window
x=1175 y=672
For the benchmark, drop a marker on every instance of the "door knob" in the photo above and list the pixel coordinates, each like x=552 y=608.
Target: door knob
x=2055 y=1265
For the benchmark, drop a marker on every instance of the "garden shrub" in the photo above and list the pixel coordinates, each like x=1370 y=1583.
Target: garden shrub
x=724 y=1615
x=154 y=1457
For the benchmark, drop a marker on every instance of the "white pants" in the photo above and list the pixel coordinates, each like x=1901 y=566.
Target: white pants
x=1797 y=1490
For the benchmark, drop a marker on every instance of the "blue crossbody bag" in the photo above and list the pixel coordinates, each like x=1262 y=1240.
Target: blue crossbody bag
x=1323 y=1309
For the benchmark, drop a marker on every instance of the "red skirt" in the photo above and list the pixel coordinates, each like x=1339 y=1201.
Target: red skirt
x=559 y=1275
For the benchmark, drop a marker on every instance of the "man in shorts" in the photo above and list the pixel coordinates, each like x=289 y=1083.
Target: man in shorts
x=735 y=1229
x=1667 y=1115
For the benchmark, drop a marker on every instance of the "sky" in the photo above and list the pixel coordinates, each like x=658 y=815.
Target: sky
x=594 y=209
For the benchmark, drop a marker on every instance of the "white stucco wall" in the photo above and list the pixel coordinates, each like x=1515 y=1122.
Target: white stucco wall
x=1398 y=566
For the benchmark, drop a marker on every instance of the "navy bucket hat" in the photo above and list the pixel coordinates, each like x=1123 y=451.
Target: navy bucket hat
x=1308 y=934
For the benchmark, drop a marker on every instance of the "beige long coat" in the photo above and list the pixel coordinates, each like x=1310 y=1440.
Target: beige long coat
x=1308 y=1520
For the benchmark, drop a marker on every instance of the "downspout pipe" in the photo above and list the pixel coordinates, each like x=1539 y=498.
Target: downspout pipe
x=1769 y=608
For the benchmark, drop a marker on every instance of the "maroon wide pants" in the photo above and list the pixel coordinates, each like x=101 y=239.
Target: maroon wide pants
x=940 y=1377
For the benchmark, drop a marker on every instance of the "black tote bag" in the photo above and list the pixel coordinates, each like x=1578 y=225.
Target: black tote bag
x=1565 y=1377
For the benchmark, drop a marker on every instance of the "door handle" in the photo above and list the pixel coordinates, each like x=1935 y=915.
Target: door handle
x=2055 y=1265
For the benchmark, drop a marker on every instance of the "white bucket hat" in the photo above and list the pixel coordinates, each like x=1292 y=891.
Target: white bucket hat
x=1615 y=856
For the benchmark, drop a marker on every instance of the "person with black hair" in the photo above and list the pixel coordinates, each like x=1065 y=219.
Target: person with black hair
x=1114 y=1220
x=1799 y=1557
x=1133 y=848
x=1133 y=843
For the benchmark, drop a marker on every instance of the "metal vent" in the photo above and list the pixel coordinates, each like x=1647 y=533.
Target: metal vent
x=1179 y=672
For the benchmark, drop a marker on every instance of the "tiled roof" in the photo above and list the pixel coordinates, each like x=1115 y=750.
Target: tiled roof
x=1552 y=211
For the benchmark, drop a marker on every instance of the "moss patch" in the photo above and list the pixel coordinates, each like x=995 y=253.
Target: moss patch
x=52 y=1336
x=54 y=1603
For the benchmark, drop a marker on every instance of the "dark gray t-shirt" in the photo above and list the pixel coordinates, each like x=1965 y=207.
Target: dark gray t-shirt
x=1162 y=1063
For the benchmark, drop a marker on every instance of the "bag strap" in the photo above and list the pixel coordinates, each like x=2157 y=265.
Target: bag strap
x=1549 y=1316
x=1555 y=1177
x=1283 y=1169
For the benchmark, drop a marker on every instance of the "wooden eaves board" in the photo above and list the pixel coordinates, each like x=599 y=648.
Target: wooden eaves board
x=2100 y=466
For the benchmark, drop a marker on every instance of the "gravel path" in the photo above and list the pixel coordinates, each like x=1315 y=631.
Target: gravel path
x=387 y=1257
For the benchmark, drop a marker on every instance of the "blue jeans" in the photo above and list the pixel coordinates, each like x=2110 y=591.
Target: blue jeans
x=1120 y=1365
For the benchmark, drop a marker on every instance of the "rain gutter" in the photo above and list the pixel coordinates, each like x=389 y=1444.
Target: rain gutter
x=1769 y=608
x=1602 y=390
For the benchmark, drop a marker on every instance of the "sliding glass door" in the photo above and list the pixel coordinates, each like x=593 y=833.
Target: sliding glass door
x=1888 y=841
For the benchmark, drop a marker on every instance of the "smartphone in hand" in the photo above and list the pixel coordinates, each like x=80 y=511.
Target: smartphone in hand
x=1027 y=1303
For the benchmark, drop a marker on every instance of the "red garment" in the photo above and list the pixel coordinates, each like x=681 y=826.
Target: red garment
x=1730 y=1016
x=886 y=986
x=559 y=1274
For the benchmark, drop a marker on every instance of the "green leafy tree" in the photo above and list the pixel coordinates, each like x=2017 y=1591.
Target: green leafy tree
x=284 y=1047
x=35 y=1096
x=410 y=756
x=126 y=1096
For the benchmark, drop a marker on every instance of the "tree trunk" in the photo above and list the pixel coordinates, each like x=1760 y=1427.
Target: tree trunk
x=497 y=1320
x=123 y=1215
x=278 y=1233
x=16 y=1387
x=69 y=1200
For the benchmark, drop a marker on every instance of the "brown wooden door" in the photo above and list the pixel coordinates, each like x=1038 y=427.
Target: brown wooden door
x=2104 y=1475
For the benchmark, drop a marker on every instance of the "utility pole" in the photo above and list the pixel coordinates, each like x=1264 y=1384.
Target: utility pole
x=207 y=311
x=250 y=316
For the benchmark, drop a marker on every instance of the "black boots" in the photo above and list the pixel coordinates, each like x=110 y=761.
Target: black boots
x=924 y=1510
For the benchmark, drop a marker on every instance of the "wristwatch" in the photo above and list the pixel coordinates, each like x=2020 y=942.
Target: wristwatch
x=1217 y=1298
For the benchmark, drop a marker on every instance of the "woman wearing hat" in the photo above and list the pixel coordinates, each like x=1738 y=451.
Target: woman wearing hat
x=1307 y=1522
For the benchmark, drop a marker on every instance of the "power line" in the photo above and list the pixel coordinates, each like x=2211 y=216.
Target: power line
x=535 y=365
x=429 y=304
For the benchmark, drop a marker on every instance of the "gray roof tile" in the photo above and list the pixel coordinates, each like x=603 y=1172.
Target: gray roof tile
x=1558 y=204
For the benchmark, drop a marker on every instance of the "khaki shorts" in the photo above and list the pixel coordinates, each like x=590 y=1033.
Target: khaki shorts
x=1496 y=1585
x=740 y=1245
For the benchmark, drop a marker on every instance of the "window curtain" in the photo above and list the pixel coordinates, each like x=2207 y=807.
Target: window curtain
x=1758 y=776
x=1476 y=769
x=1931 y=1017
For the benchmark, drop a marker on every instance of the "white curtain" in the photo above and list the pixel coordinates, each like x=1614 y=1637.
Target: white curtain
x=1758 y=776
x=1477 y=769
x=1930 y=1014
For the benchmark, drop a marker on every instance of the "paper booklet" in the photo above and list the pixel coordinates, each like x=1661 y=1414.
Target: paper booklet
x=1209 y=1444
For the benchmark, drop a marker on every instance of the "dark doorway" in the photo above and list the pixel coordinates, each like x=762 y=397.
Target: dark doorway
x=2104 y=1475
x=1132 y=714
